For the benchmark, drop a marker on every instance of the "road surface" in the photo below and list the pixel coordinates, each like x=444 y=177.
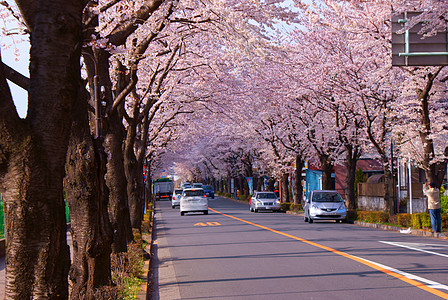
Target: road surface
x=234 y=254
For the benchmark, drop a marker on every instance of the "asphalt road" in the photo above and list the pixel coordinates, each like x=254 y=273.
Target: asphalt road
x=234 y=254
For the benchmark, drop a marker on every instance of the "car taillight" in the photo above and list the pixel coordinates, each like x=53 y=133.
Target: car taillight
x=174 y=198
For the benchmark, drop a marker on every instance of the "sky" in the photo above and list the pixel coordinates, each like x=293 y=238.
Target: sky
x=15 y=53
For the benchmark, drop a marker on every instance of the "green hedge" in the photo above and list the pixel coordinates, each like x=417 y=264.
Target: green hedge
x=285 y=206
x=444 y=204
x=415 y=221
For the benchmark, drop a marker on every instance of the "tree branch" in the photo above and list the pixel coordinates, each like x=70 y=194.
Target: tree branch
x=16 y=77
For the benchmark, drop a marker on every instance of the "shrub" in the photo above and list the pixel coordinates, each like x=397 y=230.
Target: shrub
x=126 y=269
x=296 y=207
x=444 y=220
x=426 y=220
x=244 y=198
x=285 y=206
x=372 y=216
x=444 y=204
x=404 y=220
x=416 y=222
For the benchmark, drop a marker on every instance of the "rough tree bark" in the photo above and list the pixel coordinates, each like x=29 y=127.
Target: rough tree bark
x=298 y=188
x=87 y=195
x=134 y=176
x=33 y=151
x=327 y=168
x=352 y=155
x=284 y=187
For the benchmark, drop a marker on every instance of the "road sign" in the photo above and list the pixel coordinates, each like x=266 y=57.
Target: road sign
x=410 y=48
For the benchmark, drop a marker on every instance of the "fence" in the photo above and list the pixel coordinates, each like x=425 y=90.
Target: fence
x=371 y=189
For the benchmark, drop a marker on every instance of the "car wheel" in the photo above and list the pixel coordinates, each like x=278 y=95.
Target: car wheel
x=255 y=210
x=173 y=206
x=309 y=219
x=205 y=212
x=305 y=219
x=182 y=213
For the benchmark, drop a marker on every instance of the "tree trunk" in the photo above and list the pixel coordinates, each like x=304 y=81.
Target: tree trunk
x=298 y=188
x=87 y=195
x=327 y=169
x=285 y=187
x=113 y=132
x=351 y=158
x=134 y=179
x=387 y=202
x=436 y=173
x=117 y=184
x=32 y=155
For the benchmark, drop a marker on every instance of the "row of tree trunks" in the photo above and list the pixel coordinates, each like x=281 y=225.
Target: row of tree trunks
x=33 y=153
x=87 y=195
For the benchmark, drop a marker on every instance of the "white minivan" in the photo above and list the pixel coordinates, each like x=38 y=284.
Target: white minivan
x=193 y=200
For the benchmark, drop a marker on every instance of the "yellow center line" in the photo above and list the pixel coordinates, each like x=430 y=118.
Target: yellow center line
x=358 y=259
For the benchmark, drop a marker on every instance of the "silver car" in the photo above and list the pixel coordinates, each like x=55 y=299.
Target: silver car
x=193 y=200
x=175 y=198
x=324 y=205
x=264 y=201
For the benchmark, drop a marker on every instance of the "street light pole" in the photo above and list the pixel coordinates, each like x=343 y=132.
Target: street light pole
x=96 y=91
x=96 y=97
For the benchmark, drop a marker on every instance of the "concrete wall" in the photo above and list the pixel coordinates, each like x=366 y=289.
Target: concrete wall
x=372 y=203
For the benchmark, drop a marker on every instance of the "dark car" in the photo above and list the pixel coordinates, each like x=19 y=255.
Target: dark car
x=208 y=189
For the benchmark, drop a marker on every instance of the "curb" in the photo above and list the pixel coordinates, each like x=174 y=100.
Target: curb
x=417 y=232
x=145 y=286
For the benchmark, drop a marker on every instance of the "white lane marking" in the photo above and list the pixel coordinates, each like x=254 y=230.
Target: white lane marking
x=415 y=246
x=429 y=283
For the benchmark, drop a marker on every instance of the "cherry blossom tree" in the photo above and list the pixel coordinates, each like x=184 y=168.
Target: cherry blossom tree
x=33 y=152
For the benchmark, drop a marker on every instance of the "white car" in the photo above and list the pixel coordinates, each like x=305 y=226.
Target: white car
x=175 y=199
x=193 y=200
x=264 y=201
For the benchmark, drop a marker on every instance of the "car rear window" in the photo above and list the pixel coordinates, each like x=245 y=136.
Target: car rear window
x=207 y=187
x=327 y=197
x=193 y=193
x=267 y=196
x=178 y=192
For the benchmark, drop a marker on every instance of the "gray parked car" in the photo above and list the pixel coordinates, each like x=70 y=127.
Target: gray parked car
x=324 y=205
x=264 y=201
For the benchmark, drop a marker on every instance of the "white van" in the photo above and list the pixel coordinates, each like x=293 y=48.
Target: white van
x=193 y=200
